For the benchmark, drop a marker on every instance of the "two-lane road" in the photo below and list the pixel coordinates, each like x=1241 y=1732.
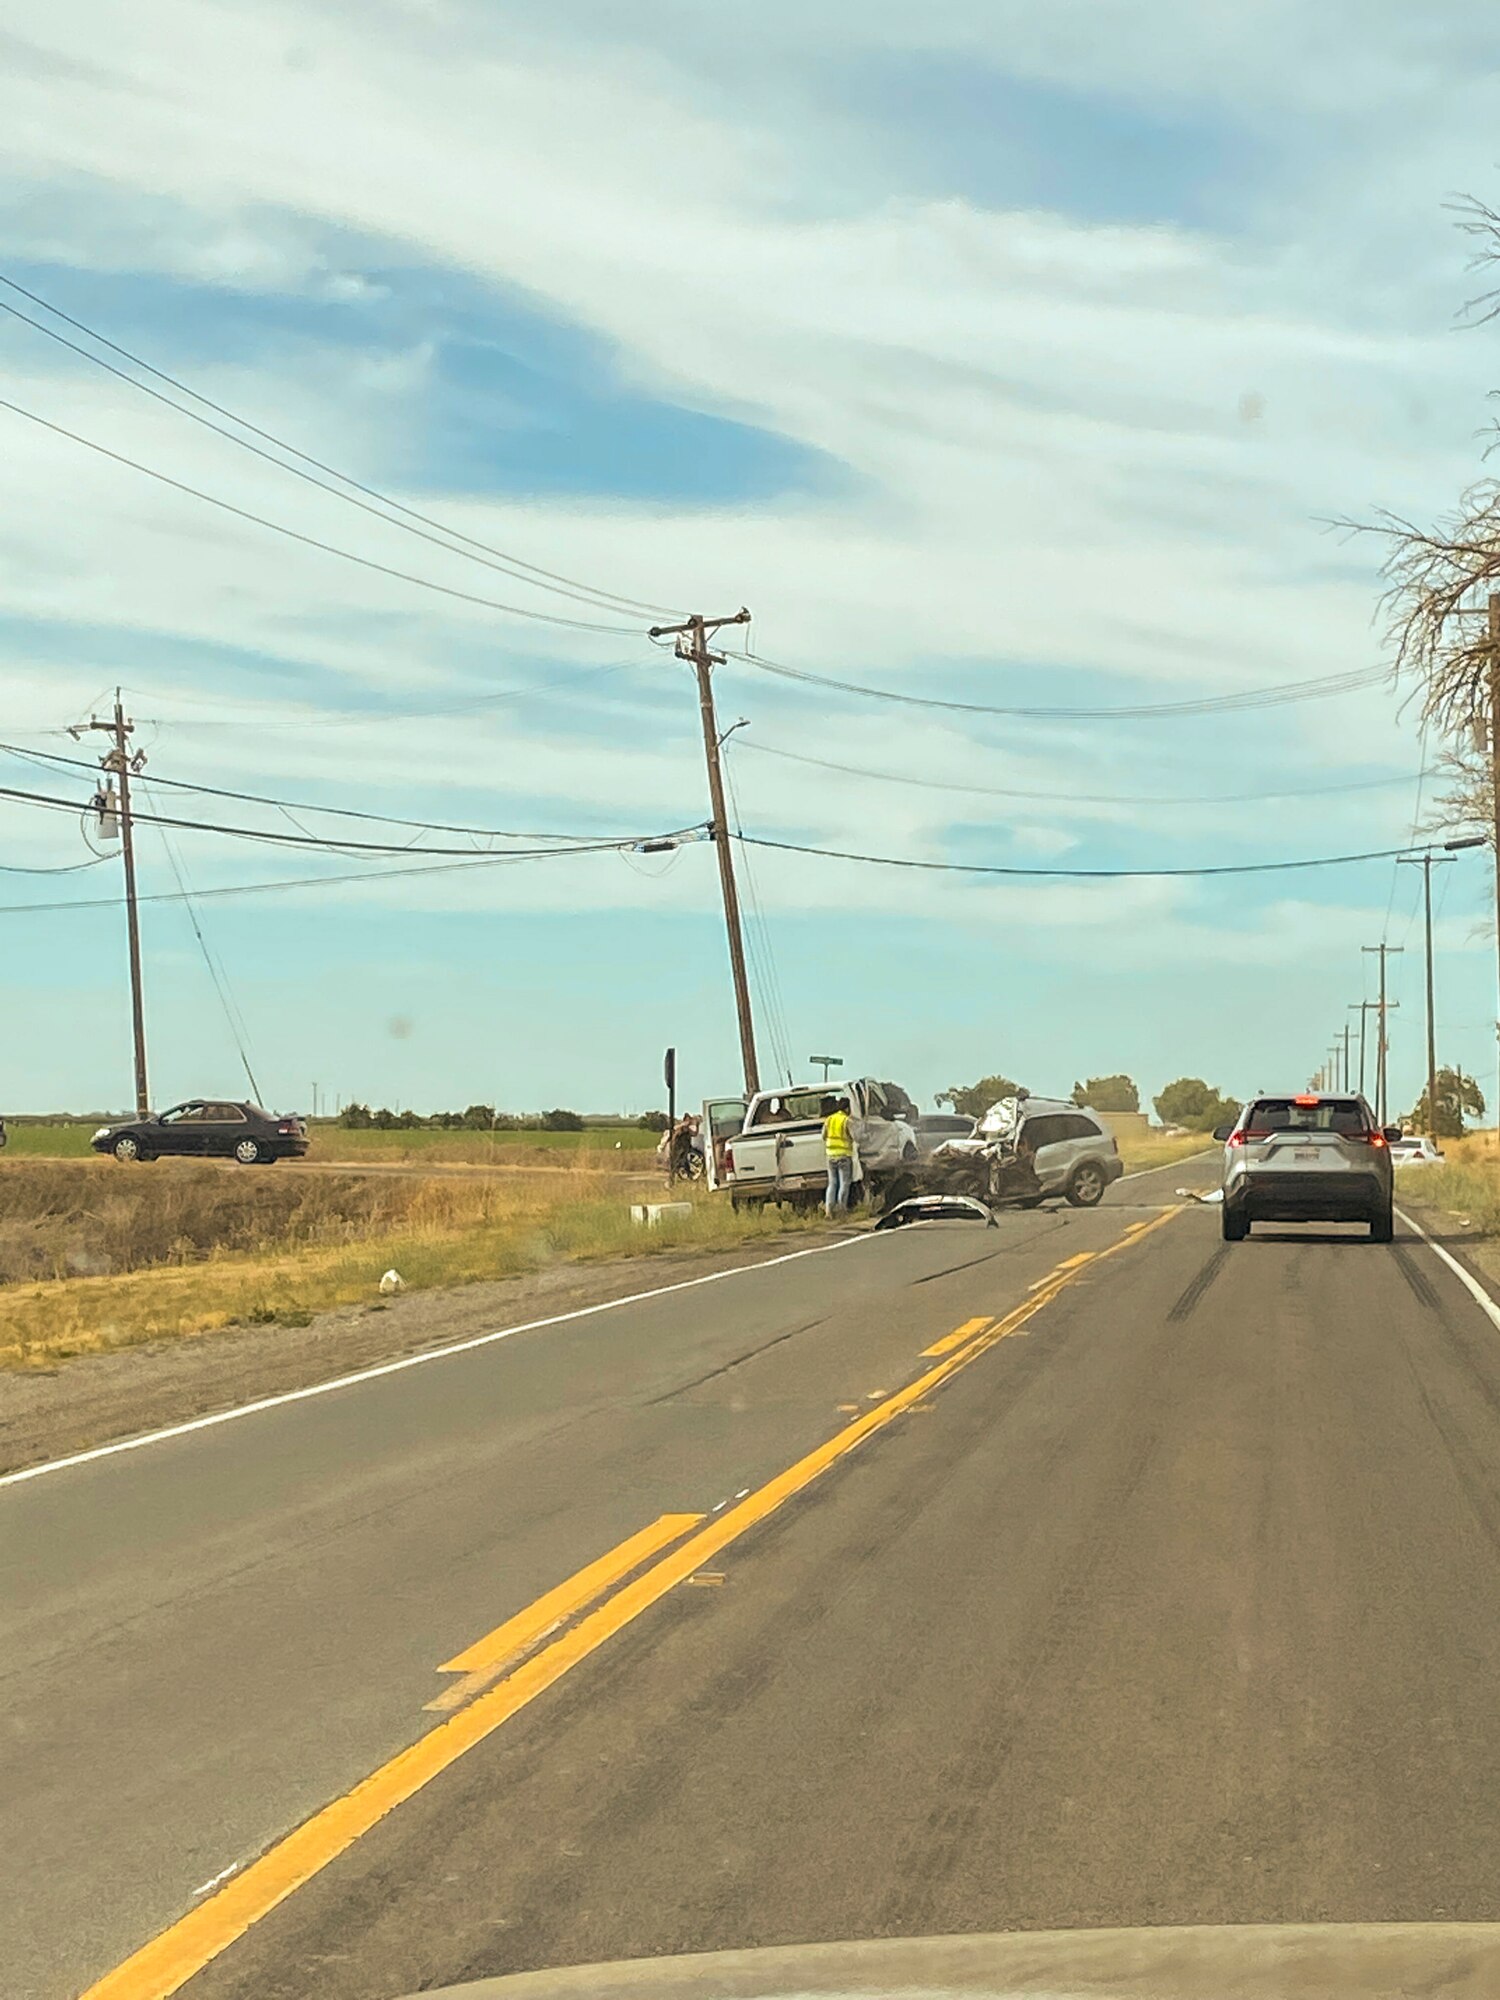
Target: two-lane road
x=1177 y=1600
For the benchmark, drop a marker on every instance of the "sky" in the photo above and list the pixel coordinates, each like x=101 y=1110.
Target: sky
x=990 y=354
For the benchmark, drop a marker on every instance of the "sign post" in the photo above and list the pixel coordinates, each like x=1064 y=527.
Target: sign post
x=828 y=1063
x=669 y=1077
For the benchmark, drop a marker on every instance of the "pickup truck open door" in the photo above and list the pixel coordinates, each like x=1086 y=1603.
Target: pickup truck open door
x=723 y=1117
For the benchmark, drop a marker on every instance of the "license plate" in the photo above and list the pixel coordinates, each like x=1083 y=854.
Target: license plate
x=1305 y=1153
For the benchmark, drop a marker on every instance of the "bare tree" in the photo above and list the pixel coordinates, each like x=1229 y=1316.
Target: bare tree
x=1440 y=577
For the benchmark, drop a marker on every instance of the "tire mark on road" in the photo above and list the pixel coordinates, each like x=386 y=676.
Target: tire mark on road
x=1421 y=1285
x=1192 y=1296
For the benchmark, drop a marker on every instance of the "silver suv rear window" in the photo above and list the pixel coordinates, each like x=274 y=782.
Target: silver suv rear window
x=1330 y=1114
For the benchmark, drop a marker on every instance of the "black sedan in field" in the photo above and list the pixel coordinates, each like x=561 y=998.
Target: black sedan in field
x=206 y=1129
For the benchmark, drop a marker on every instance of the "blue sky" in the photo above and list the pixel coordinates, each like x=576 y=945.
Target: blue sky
x=1002 y=358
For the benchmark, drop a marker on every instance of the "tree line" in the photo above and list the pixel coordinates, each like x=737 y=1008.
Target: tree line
x=1189 y=1102
x=477 y=1118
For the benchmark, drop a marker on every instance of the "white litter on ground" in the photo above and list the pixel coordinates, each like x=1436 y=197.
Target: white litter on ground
x=392 y=1282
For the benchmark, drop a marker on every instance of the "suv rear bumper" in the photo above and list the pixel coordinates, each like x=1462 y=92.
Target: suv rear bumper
x=1307 y=1197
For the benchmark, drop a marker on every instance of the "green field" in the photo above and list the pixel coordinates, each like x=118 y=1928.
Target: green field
x=331 y=1142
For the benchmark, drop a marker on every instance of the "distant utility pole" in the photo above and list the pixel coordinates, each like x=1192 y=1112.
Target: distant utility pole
x=1362 y=1008
x=120 y=764
x=1425 y=863
x=692 y=645
x=1346 y=1055
x=1382 y=1045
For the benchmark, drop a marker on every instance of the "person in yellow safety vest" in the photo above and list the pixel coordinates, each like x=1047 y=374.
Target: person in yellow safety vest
x=838 y=1145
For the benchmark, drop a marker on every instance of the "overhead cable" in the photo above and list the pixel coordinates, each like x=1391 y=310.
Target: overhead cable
x=303 y=805
x=1072 y=874
x=325 y=845
x=1246 y=698
x=444 y=538
x=1058 y=796
x=311 y=541
x=269 y=888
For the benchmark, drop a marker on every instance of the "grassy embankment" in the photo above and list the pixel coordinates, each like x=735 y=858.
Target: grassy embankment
x=1466 y=1186
x=95 y=1256
x=1161 y=1149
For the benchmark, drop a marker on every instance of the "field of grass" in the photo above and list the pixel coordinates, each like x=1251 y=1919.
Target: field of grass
x=1161 y=1149
x=101 y=1257
x=332 y=1142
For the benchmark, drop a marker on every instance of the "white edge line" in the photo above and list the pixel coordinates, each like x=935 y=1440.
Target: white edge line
x=1470 y=1283
x=312 y=1389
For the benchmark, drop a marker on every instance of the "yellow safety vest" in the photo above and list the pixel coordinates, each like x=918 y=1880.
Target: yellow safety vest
x=836 y=1138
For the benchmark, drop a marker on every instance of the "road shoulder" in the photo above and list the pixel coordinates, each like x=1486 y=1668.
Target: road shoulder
x=98 y=1398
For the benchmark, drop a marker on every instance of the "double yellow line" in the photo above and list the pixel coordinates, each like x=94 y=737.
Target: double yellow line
x=196 y=1939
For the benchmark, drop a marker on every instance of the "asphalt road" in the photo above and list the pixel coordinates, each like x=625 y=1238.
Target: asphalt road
x=1180 y=1604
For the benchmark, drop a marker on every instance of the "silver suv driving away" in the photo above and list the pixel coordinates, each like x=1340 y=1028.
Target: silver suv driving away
x=1308 y=1158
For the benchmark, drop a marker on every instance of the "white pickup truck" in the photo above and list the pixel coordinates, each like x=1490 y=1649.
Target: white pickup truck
x=776 y=1153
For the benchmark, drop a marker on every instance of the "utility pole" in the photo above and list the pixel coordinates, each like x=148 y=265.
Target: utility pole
x=1494 y=623
x=692 y=645
x=1382 y=1045
x=1362 y=1008
x=1425 y=863
x=1346 y=1055
x=121 y=765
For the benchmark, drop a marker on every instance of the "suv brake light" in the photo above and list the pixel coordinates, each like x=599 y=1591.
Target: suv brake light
x=1375 y=1139
x=1237 y=1138
x=1304 y=1102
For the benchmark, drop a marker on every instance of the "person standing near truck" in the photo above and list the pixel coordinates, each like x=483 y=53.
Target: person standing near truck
x=838 y=1146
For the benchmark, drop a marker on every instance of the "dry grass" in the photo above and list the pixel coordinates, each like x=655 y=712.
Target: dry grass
x=199 y=1249
x=602 y=1143
x=1467 y=1184
x=1160 y=1149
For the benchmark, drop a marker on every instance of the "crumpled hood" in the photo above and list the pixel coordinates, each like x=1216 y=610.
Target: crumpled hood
x=1187 y=1962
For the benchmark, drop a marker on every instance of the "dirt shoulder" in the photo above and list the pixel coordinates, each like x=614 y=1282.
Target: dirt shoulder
x=94 y=1399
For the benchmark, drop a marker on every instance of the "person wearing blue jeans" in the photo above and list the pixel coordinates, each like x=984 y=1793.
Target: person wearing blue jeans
x=838 y=1147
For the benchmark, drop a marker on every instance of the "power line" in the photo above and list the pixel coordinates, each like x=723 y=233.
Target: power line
x=301 y=805
x=311 y=541
x=1248 y=698
x=218 y=974
x=356 y=720
x=295 y=882
x=1073 y=798
x=1072 y=874
x=580 y=846
x=510 y=565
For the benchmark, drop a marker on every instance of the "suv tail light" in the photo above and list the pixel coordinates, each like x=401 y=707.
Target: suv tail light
x=1237 y=1138
x=1375 y=1138
x=729 y=1159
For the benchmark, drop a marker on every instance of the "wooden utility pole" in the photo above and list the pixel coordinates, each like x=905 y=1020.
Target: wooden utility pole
x=1382 y=1046
x=119 y=764
x=692 y=645
x=1424 y=862
x=1346 y=1055
x=1362 y=1008
x=1494 y=619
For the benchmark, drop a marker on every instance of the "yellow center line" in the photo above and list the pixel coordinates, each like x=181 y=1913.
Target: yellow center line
x=169 y=1960
x=957 y=1338
x=487 y=1657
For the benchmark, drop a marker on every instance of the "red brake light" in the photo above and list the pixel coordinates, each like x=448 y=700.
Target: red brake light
x=1304 y=1101
x=1376 y=1138
x=729 y=1159
x=1237 y=1138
